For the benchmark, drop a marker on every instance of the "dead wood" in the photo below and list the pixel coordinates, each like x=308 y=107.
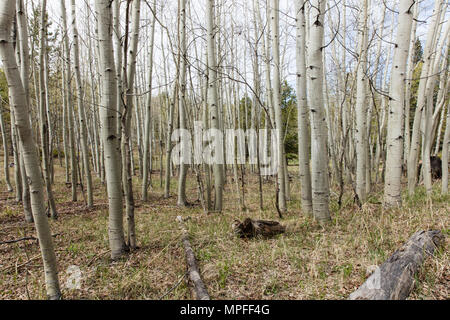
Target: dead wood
x=394 y=279
x=199 y=288
x=252 y=228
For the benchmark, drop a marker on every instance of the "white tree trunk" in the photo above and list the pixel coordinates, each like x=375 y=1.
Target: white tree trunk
x=395 y=138
x=319 y=154
x=213 y=101
x=81 y=112
x=19 y=103
x=108 y=120
x=304 y=137
x=148 y=116
x=361 y=105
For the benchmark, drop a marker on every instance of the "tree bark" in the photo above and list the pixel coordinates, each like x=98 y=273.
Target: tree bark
x=19 y=103
x=108 y=120
x=395 y=138
x=394 y=279
x=319 y=154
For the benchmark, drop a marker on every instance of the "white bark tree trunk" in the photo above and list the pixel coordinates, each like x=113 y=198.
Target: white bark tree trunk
x=81 y=112
x=319 y=154
x=395 y=137
x=19 y=103
x=304 y=136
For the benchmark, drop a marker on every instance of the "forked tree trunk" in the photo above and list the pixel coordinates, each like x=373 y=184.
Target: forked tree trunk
x=19 y=103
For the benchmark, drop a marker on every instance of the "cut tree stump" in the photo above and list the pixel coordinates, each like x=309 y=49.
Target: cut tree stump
x=252 y=228
x=199 y=288
x=394 y=279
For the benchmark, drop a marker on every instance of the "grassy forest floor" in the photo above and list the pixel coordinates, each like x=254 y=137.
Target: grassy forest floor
x=307 y=262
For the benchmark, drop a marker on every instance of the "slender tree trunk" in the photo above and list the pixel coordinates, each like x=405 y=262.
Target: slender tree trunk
x=182 y=103
x=5 y=150
x=218 y=167
x=43 y=123
x=19 y=103
x=68 y=92
x=421 y=99
x=304 y=136
x=281 y=162
x=81 y=112
x=126 y=125
x=445 y=153
x=361 y=105
x=148 y=115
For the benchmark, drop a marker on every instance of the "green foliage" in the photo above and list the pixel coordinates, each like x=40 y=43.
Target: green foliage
x=418 y=52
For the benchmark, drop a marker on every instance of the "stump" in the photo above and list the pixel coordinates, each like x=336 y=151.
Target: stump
x=394 y=279
x=252 y=228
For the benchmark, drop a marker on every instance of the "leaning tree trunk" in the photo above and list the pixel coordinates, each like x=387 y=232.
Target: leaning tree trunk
x=108 y=120
x=81 y=112
x=319 y=154
x=394 y=140
x=19 y=103
x=304 y=136
x=394 y=279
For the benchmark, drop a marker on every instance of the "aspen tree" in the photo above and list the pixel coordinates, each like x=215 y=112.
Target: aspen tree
x=81 y=111
x=319 y=154
x=304 y=137
x=108 y=121
x=281 y=161
x=31 y=160
x=395 y=138
x=213 y=105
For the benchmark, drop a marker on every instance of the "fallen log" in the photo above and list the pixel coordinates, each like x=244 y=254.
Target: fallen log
x=199 y=287
x=394 y=279
x=252 y=228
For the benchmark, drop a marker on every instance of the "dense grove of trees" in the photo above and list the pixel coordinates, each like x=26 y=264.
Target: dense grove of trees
x=357 y=91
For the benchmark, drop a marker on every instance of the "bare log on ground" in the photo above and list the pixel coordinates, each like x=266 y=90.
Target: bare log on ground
x=199 y=287
x=394 y=279
x=252 y=228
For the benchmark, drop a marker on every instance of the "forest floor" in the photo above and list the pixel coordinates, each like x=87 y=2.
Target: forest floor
x=306 y=262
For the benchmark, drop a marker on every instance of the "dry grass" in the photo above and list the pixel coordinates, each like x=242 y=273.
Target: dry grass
x=307 y=262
